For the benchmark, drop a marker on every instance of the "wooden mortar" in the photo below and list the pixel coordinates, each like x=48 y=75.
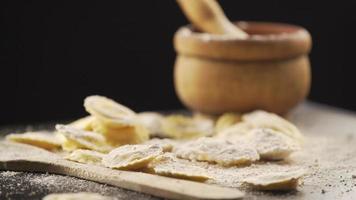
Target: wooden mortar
x=269 y=70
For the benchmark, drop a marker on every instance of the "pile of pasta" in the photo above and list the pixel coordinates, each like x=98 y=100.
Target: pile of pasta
x=116 y=137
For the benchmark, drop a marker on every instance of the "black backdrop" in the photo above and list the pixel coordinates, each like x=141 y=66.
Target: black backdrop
x=54 y=53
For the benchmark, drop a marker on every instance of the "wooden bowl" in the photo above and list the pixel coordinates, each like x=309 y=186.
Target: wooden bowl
x=270 y=70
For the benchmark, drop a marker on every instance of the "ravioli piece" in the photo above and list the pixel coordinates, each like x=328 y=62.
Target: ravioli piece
x=169 y=165
x=45 y=140
x=226 y=120
x=262 y=119
x=131 y=157
x=235 y=132
x=203 y=116
x=84 y=123
x=183 y=127
x=118 y=136
x=220 y=151
x=271 y=144
x=166 y=144
x=275 y=181
x=77 y=196
x=80 y=139
x=152 y=121
x=117 y=123
x=109 y=112
x=86 y=156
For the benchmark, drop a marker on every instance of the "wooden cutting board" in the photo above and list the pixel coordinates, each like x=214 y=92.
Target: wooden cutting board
x=21 y=157
x=329 y=155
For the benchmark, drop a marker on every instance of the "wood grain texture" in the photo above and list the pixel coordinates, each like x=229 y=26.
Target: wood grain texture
x=209 y=17
x=20 y=157
x=268 y=71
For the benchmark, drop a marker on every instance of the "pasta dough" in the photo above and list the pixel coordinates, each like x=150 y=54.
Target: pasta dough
x=275 y=181
x=43 y=140
x=80 y=139
x=226 y=120
x=272 y=145
x=169 y=165
x=84 y=123
x=183 y=127
x=132 y=157
x=166 y=144
x=121 y=135
x=152 y=121
x=86 y=156
x=262 y=119
x=117 y=123
x=218 y=151
x=109 y=112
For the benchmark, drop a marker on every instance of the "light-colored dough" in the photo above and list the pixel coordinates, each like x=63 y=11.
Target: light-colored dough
x=152 y=121
x=84 y=123
x=117 y=136
x=262 y=119
x=166 y=144
x=109 y=112
x=275 y=180
x=86 y=156
x=226 y=120
x=184 y=127
x=44 y=140
x=131 y=157
x=80 y=139
x=235 y=132
x=169 y=165
x=271 y=144
x=77 y=196
x=216 y=150
x=117 y=123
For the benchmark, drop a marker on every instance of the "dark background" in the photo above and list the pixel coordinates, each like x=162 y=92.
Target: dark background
x=54 y=53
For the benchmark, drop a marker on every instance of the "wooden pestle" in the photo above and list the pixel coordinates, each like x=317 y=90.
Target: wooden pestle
x=209 y=17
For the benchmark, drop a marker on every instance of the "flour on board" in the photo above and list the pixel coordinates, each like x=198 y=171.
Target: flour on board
x=76 y=196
